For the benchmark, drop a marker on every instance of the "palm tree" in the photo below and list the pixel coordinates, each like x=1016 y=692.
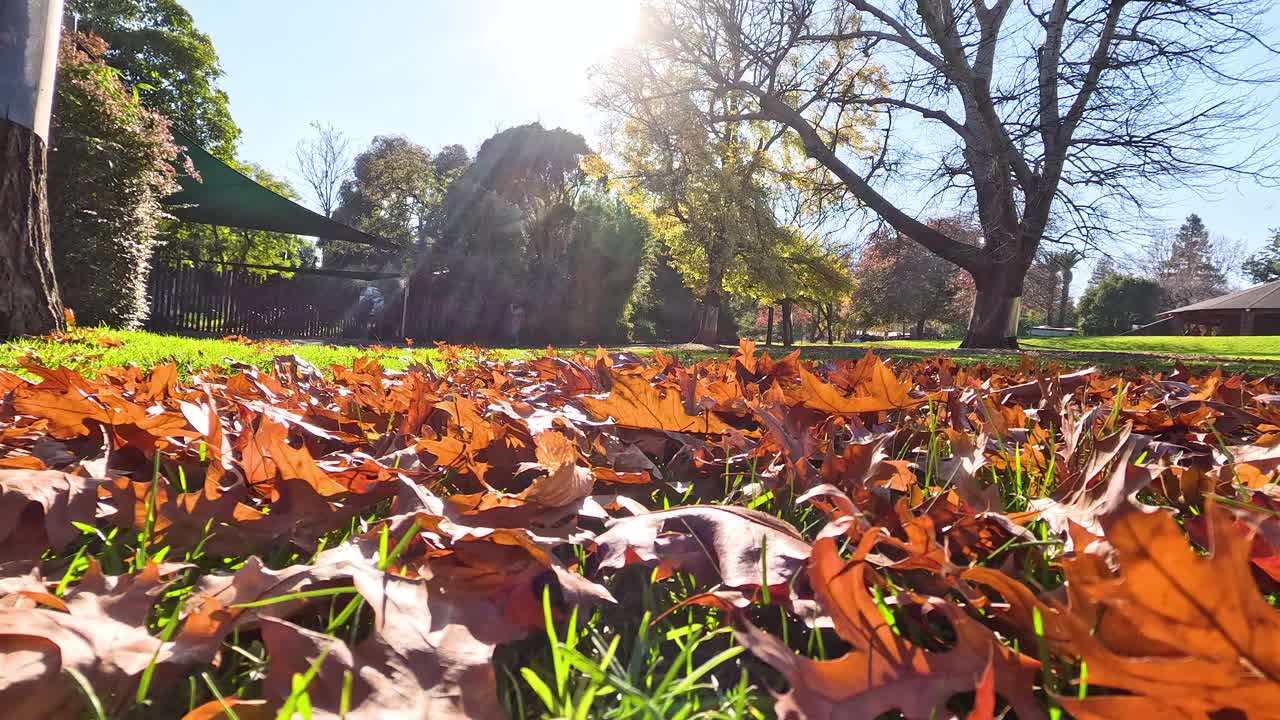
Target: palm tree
x=1062 y=265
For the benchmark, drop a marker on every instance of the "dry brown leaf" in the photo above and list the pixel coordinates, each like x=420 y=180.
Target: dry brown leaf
x=296 y=463
x=563 y=481
x=960 y=471
x=1085 y=497
x=733 y=546
x=635 y=403
x=1185 y=635
x=253 y=445
x=103 y=634
x=429 y=656
x=37 y=508
x=67 y=408
x=876 y=391
x=884 y=671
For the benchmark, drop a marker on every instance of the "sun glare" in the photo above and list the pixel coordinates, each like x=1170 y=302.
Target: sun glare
x=557 y=39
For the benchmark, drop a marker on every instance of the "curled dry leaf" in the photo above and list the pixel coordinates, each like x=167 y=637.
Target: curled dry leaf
x=634 y=402
x=1183 y=635
x=1105 y=484
x=1259 y=518
x=253 y=583
x=426 y=658
x=562 y=481
x=37 y=509
x=64 y=399
x=863 y=465
x=884 y=671
x=876 y=389
x=730 y=546
x=102 y=633
x=960 y=471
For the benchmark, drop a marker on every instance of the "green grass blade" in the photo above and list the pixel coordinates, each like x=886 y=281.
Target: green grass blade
x=217 y=694
x=86 y=689
x=301 y=595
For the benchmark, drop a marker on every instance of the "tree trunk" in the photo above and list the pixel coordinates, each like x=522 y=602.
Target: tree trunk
x=768 y=335
x=708 y=332
x=831 y=321
x=1049 y=314
x=994 y=322
x=919 y=334
x=787 y=337
x=1064 y=301
x=29 y=300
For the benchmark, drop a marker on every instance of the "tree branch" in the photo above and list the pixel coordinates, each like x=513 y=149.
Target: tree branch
x=966 y=256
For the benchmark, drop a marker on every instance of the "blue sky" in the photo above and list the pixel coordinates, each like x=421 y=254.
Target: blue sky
x=438 y=72
x=444 y=72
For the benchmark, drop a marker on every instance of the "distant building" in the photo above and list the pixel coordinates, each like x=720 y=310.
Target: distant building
x=1046 y=331
x=1254 y=311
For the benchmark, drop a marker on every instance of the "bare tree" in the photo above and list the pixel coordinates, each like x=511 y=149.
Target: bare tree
x=1075 y=111
x=324 y=161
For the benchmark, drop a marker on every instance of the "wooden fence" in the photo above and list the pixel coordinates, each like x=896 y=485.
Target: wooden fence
x=236 y=302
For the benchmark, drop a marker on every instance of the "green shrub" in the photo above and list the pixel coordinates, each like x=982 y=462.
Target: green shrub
x=1118 y=303
x=110 y=165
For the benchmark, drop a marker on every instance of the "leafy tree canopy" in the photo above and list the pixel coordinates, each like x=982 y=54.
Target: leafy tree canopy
x=1264 y=265
x=794 y=267
x=706 y=197
x=718 y=185
x=395 y=191
x=1189 y=272
x=514 y=248
x=173 y=66
x=537 y=172
x=1103 y=267
x=1119 y=302
x=899 y=281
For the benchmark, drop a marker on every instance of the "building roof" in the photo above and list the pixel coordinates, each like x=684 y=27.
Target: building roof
x=1259 y=297
x=223 y=196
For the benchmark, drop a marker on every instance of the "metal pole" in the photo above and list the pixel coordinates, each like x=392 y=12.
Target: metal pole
x=404 y=307
x=29 y=34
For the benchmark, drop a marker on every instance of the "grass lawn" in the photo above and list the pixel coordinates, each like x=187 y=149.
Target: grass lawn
x=541 y=543
x=1264 y=347
x=87 y=350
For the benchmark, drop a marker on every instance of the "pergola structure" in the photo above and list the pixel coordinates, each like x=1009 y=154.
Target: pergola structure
x=1254 y=311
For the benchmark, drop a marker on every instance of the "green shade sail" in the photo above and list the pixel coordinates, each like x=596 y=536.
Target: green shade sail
x=223 y=196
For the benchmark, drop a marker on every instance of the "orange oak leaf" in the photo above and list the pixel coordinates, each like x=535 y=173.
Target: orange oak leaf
x=877 y=390
x=37 y=508
x=103 y=634
x=884 y=671
x=1184 y=635
x=634 y=402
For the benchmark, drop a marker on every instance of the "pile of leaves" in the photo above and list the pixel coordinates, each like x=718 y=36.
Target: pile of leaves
x=617 y=536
